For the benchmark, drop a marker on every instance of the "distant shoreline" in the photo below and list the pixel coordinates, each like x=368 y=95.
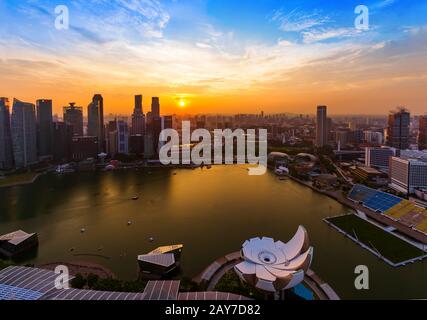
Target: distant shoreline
x=20 y=183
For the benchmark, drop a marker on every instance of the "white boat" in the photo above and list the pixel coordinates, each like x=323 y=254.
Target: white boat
x=282 y=171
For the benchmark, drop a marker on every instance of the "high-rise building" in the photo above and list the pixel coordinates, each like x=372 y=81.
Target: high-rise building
x=24 y=133
x=166 y=122
x=62 y=138
x=373 y=137
x=321 y=127
x=83 y=148
x=138 y=118
x=6 y=149
x=409 y=172
x=398 y=131
x=155 y=107
x=136 y=144
x=74 y=116
x=379 y=157
x=44 y=127
x=96 y=120
x=118 y=137
x=422 y=135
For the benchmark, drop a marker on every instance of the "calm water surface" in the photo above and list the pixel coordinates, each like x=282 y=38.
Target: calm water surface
x=212 y=212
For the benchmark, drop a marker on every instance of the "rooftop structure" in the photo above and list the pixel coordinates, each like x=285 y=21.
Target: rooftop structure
x=17 y=242
x=161 y=261
x=23 y=283
x=275 y=266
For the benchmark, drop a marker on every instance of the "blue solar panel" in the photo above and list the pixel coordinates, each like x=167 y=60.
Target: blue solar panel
x=14 y=293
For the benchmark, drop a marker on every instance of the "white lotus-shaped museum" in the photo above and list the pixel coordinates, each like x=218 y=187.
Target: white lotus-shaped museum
x=274 y=266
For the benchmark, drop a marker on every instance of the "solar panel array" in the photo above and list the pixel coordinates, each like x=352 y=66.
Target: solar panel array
x=14 y=293
x=22 y=283
x=162 y=290
x=374 y=199
x=92 y=295
x=210 y=296
x=165 y=260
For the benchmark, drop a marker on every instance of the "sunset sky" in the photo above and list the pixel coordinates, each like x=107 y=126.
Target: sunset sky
x=218 y=56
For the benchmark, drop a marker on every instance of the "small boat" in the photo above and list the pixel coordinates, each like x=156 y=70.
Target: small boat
x=282 y=171
x=135 y=198
x=82 y=230
x=72 y=249
x=100 y=248
x=129 y=222
x=151 y=239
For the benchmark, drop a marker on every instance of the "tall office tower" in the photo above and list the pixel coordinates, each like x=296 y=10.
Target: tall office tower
x=321 y=127
x=166 y=122
x=118 y=137
x=98 y=100
x=24 y=133
x=422 y=135
x=96 y=120
x=138 y=118
x=398 y=129
x=122 y=137
x=44 y=127
x=155 y=107
x=74 y=116
x=6 y=149
x=62 y=138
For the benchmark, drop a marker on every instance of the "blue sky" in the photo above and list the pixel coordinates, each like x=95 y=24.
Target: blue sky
x=211 y=48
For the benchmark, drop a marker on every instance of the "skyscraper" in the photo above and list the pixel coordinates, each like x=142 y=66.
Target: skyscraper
x=62 y=138
x=321 y=127
x=166 y=122
x=155 y=107
x=96 y=120
x=138 y=118
x=6 y=149
x=422 y=135
x=118 y=137
x=398 y=129
x=44 y=127
x=24 y=133
x=74 y=116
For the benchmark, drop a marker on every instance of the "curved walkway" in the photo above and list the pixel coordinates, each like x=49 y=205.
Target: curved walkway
x=214 y=272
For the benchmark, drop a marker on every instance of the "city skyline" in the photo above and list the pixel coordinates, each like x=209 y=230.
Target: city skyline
x=199 y=59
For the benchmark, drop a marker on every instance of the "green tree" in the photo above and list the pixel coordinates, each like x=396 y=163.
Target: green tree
x=92 y=280
x=79 y=281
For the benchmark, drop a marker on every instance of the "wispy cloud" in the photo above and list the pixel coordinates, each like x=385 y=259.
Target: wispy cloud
x=297 y=20
x=328 y=34
x=383 y=4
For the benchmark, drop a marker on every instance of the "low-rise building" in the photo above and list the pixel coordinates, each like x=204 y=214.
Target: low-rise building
x=370 y=175
x=18 y=242
x=379 y=157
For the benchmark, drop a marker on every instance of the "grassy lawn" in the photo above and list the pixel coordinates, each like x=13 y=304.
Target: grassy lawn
x=391 y=247
x=231 y=283
x=17 y=179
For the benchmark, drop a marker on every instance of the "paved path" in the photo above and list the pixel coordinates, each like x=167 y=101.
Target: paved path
x=220 y=273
